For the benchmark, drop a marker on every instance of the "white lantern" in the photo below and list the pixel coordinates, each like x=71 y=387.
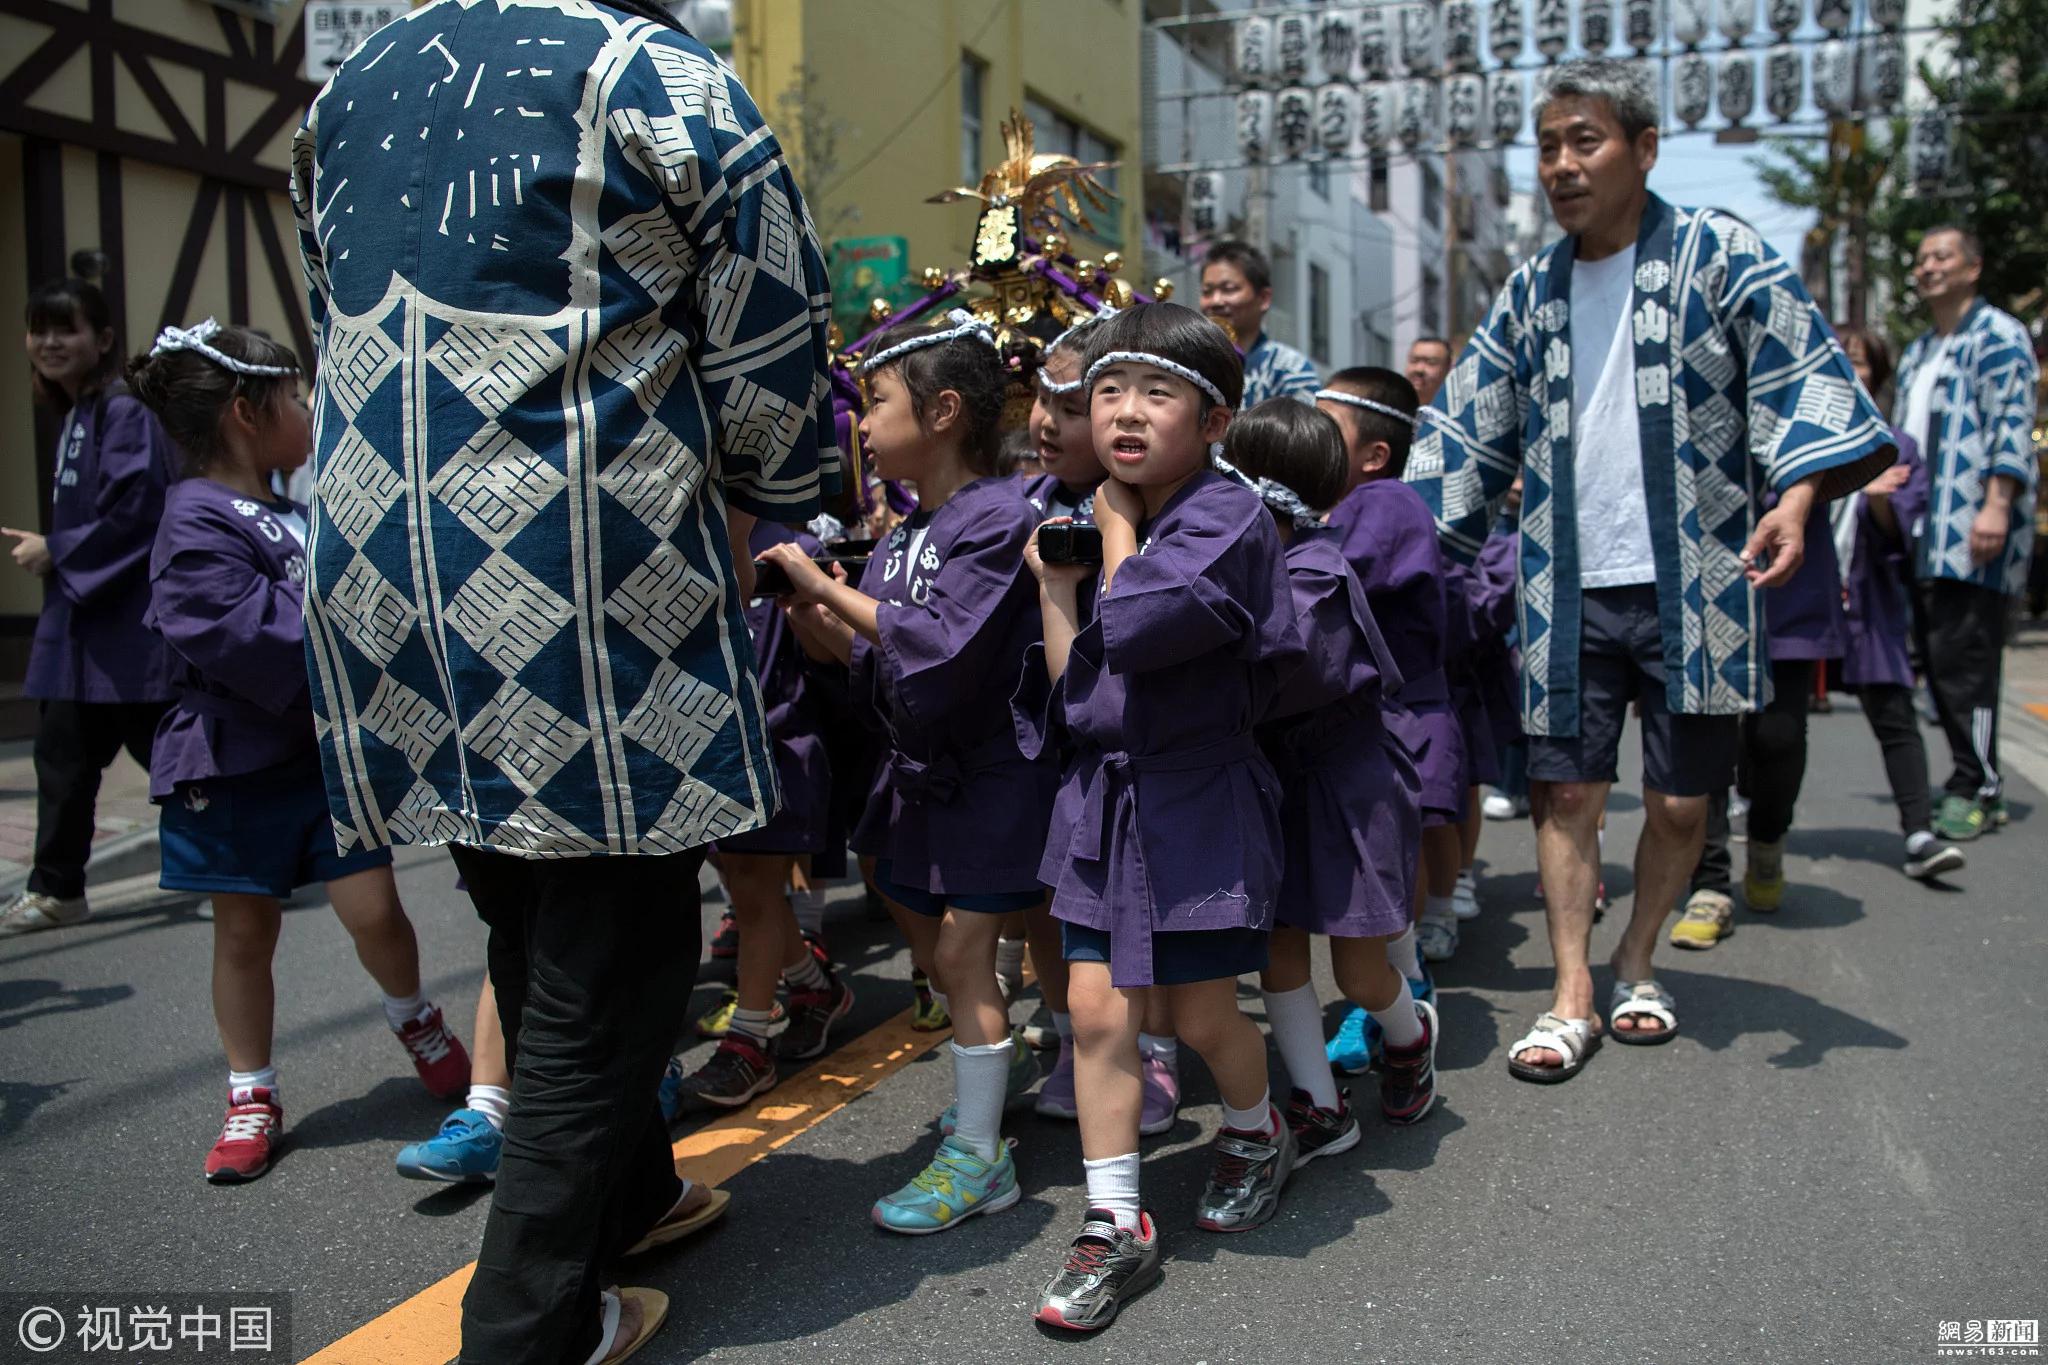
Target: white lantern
x=1784 y=82
x=1833 y=15
x=1834 y=78
x=1692 y=88
x=1336 y=119
x=1464 y=99
x=1254 y=124
x=1294 y=122
x=1504 y=30
x=1782 y=16
x=1416 y=122
x=1255 y=51
x=1337 y=43
x=1883 y=82
x=1689 y=22
x=1461 y=35
x=1738 y=19
x=1553 y=26
x=1888 y=13
x=1290 y=48
x=1506 y=106
x=1418 y=40
x=1738 y=86
x=1203 y=212
x=1375 y=114
x=1375 y=56
x=1930 y=152
x=1639 y=24
x=1596 y=26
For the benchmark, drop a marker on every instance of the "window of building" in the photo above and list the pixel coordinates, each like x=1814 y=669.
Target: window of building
x=973 y=75
x=1432 y=302
x=1432 y=194
x=1376 y=197
x=1318 y=314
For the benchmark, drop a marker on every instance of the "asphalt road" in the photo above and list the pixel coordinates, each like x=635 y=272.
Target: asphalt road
x=1842 y=1150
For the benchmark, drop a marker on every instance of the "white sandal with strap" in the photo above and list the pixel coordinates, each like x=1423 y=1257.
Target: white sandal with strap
x=1643 y=1000
x=1571 y=1039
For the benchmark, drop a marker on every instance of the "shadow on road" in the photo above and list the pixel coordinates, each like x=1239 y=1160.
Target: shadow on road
x=35 y=997
x=19 y=1100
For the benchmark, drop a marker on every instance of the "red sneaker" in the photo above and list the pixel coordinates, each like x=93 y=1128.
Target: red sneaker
x=437 y=1055
x=725 y=944
x=249 y=1139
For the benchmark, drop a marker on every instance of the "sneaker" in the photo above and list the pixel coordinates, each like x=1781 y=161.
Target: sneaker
x=956 y=1186
x=1422 y=987
x=1038 y=1032
x=927 y=1015
x=1106 y=1267
x=1408 y=1074
x=1162 y=1097
x=32 y=912
x=1738 y=818
x=437 y=1055
x=249 y=1139
x=1601 y=904
x=670 y=1092
x=1997 y=812
x=1023 y=1075
x=1056 y=1097
x=1960 y=819
x=1465 y=896
x=1350 y=1052
x=1437 y=939
x=716 y=1022
x=1246 y=1177
x=1500 y=806
x=1763 y=881
x=811 y=1017
x=1933 y=859
x=725 y=943
x=465 y=1151
x=734 y=1074
x=1709 y=917
x=1321 y=1132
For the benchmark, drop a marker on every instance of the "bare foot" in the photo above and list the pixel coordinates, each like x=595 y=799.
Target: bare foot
x=631 y=1320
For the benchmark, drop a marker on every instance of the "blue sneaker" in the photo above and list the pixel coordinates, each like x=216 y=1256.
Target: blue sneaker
x=1356 y=1048
x=1423 y=988
x=465 y=1151
x=956 y=1186
x=671 y=1091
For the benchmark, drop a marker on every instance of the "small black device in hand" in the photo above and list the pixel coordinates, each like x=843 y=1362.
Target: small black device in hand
x=1069 y=542
x=772 y=580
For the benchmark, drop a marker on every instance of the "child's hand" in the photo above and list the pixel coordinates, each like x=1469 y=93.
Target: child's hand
x=1054 y=576
x=1122 y=502
x=1889 y=482
x=30 y=551
x=807 y=581
x=820 y=633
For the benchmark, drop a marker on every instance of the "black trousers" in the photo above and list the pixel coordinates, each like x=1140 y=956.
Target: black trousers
x=1962 y=630
x=1889 y=709
x=1770 y=765
x=75 y=741
x=593 y=960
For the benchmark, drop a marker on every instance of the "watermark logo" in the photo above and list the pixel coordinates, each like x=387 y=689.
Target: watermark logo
x=248 y=1328
x=1988 y=1338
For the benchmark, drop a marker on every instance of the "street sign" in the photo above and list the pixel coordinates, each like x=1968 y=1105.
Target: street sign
x=864 y=269
x=336 y=28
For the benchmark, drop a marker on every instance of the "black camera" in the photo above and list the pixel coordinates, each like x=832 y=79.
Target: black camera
x=772 y=580
x=1069 y=542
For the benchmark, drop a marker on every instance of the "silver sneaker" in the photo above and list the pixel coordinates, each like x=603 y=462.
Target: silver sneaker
x=1107 y=1266
x=1246 y=1179
x=32 y=911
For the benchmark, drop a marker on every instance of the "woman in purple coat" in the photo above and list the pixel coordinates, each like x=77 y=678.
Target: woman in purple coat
x=236 y=769
x=98 y=672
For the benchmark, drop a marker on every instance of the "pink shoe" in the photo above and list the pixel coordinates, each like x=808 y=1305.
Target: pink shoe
x=437 y=1054
x=1056 y=1096
x=1162 y=1097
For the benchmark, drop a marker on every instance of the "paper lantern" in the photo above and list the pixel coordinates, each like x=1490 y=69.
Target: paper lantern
x=1375 y=55
x=1553 y=26
x=1639 y=24
x=1738 y=86
x=1336 y=118
x=1337 y=44
x=1883 y=82
x=1738 y=19
x=1203 y=211
x=1833 y=15
x=1294 y=122
x=1596 y=26
x=1418 y=40
x=1782 y=16
x=1461 y=35
x=1506 y=105
x=1784 y=82
x=1375 y=114
x=1415 y=124
x=1504 y=30
x=1692 y=88
x=1929 y=152
x=1255 y=51
x=1290 y=48
x=1689 y=22
x=1834 y=78
x=1254 y=124
x=1464 y=107
x=1888 y=13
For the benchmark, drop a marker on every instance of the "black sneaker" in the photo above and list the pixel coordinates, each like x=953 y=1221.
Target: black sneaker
x=1321 y=1132
x=811 y=1017
x=726 y=942
x=1408 y=1074
x=736 y=1073
x=1107 y=1266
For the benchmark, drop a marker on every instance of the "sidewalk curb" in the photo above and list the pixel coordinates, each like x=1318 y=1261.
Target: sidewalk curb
x=2023 y=743
x=117 y=858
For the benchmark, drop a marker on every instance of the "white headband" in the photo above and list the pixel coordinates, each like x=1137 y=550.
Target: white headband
x=965 y=324
x=196 y=337
x=1272 y=492
x=1386 y=409
x=1101 y=314
x=1160 y=362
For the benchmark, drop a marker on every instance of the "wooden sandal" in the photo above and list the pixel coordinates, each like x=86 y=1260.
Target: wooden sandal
x=674 y=1228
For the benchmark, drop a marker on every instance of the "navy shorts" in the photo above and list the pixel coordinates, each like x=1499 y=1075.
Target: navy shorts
x=264 y=833
x=1621 y=660
x=1179 y=959
x=932 y=904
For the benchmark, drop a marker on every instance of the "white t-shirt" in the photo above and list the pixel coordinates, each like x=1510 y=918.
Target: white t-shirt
x=1607 y=448
x=1920 y=398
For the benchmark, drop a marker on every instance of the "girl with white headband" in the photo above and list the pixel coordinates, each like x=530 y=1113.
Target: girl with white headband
x=935 y=637
x=236 y=770
x=1164 y=851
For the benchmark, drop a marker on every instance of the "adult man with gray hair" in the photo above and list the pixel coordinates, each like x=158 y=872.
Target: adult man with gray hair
x=1966 y=394
x=1650 y=377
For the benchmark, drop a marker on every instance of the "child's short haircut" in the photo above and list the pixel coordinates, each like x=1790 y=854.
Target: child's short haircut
x=1178 y=334
x=1292 y=444
x=967 y=365
x=190 y=393
x=1392 y=389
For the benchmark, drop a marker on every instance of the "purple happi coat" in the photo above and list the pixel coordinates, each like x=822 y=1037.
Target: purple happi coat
x=1389 y=540
x=1168 y=815
x=801 y=824
x=1878 y=584
x=1492 y=595
x=113 y=465
x=227 y=590
x=1803 y=617
x=1351 y=802
x=1052 y=498
x=956 y=807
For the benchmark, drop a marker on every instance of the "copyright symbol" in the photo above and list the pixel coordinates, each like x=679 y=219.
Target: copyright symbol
x=41 y=1329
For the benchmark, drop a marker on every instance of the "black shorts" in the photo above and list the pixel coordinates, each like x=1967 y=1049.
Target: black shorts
x=1621 y=660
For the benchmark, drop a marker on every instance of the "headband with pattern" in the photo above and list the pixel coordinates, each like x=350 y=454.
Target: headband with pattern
x=1276 y=495
x=1386 y=409
x=1102 y=314
x=1174 y=367
x=965 y=324
x=196 y=337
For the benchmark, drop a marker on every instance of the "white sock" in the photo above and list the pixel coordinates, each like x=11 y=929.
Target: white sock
x=240 y=1083
x=1010 y=958
x=752 y=1025
x=1467 y=881
x=1400 y=1023
x=1165 y=1049
x=1296 y=1019
x=1113 y=1188
x=400 y=1010
x=1063 y=1025
x=1920 y=843
x=810 y=910
x=1438 y=908
x=1258 y=1119
x=980 y=1077
x=494 y=1102
x=805 y=974
x=1402 y=954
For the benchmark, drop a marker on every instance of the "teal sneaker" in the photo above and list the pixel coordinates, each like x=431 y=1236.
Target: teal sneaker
x=1960 y=819
x=465 y=1151
x=1356 y=1048
x=956 y=1186
x=1023 y=1075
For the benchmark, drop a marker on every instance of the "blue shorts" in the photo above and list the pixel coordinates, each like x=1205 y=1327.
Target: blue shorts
x=1179 y=959
x=264 y=833
x=932 y=904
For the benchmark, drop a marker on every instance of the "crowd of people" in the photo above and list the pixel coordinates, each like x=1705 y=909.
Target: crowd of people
x=1226 y=669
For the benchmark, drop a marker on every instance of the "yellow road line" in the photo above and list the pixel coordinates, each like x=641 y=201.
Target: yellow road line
x=426 y=1329
x=2038 y=708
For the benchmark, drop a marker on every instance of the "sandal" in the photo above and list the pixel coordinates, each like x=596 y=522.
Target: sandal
x=1571 y=1039
x=676 y=1225
x=1642 y=999
x=653 y=1306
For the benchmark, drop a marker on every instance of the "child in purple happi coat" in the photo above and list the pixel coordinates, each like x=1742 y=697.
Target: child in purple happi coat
x=235 y=766
x=1165 y=846
x=935 y=637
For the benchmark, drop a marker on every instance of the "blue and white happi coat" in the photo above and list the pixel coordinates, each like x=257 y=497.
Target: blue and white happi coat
x=1740 y=388
x=1982 y=425
x=570 y=307
x=1273 y=369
